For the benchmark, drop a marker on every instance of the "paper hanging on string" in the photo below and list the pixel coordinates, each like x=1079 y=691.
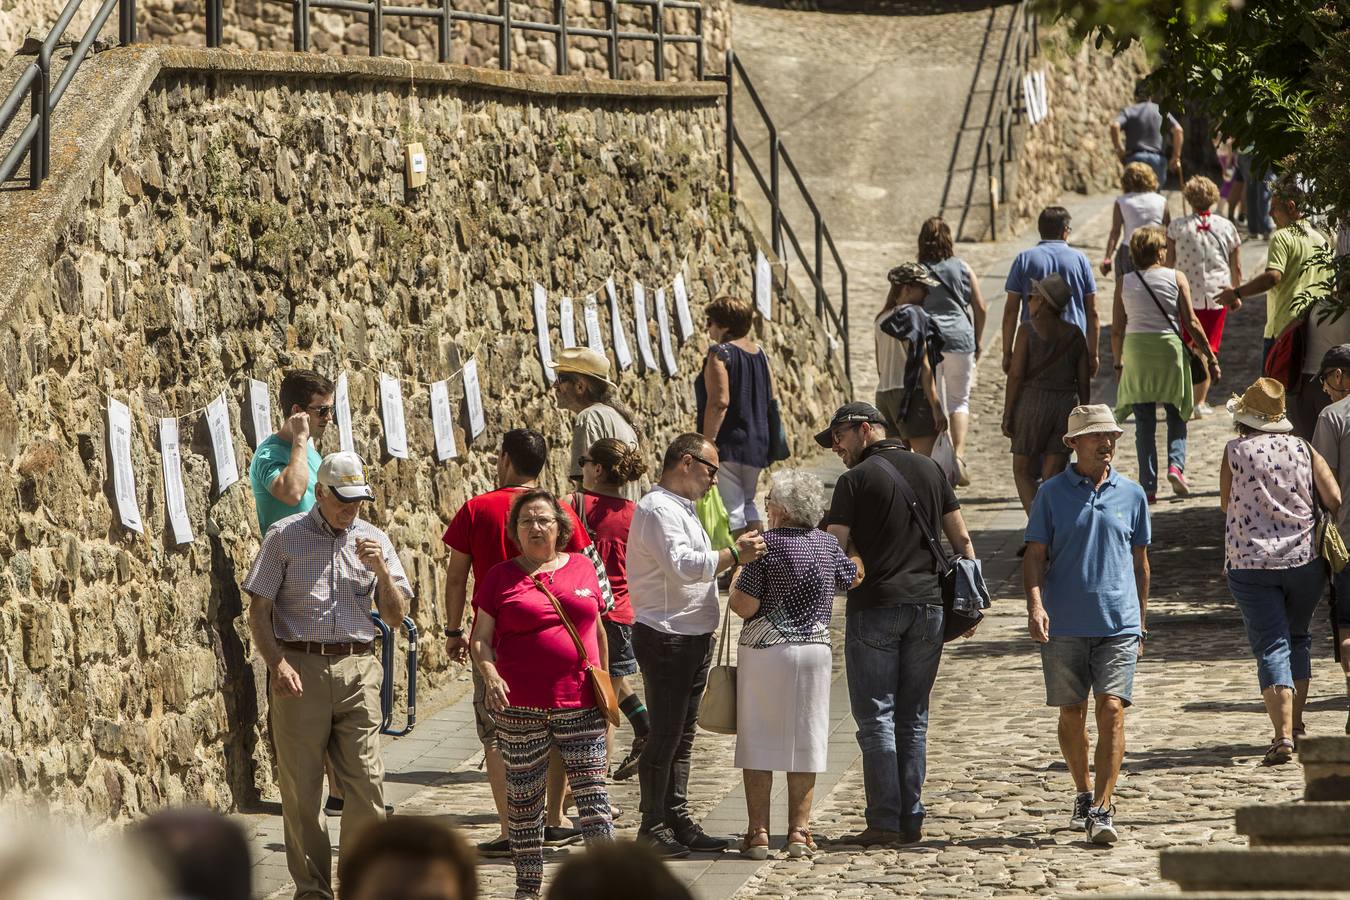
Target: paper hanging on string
x=443 y=421
x=171 y=462
x=594 y=339
x=391 y=409
x=640 y=321
x=568 y=323
x=222 y=443
x=541 y=331
x=682 y=315
x=663 y=326
x=763 y=286
x=622 y=355
x=342 y=411
x=473 y=398
x=124 y=479
x=260 y=406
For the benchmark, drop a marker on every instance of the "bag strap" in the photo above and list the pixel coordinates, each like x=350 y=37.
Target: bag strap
x=1157 y=303
x=724 y=651
x=912 y=501
x=579 y=506
x=567 y=623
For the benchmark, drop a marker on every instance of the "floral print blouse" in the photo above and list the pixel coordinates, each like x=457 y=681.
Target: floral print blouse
x=1270 y=505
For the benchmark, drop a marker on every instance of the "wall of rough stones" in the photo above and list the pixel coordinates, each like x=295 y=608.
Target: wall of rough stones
x=253 y=218
x=267 y=25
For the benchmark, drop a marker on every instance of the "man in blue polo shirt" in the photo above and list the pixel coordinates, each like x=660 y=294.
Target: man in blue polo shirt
x=1052 y=254
x=1086 y=579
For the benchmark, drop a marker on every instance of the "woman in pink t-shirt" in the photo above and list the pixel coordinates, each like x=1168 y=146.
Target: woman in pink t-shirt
x=536 y=685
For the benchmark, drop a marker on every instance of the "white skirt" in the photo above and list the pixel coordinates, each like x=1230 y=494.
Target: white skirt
x=783 y=707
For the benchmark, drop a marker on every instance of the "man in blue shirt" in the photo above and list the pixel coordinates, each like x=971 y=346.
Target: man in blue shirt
x=286 y=464
x=1086 y=579
x=1052 y=254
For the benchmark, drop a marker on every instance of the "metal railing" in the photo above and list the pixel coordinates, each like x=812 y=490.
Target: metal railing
x=1003 y=111
x=812 y=264
x=34 y=83
x=387 y=654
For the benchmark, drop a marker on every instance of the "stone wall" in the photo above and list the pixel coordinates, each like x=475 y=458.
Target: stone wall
x=1070 y=150
x=251 y=217
x=267 y=25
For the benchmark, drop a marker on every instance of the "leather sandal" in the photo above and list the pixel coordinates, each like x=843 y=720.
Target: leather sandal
x=1281 y=751
x=751 y=849
x=798 y=849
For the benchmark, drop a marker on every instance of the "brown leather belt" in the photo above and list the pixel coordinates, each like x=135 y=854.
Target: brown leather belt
x=348 y=649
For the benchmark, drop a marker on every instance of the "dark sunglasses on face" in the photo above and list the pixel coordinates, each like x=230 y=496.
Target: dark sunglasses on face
x=712 y=469
x=585 y=461
x=323 y=412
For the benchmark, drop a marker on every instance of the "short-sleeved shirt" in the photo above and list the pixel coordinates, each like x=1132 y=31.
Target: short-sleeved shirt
x=269 y=461
x=536 y=655
x=1035 y=263
x=320 y=589
x=1142 y=124
x=1091 y=533
x=610 y=519
x=1290 y=253
x=600 y=420
x=1332 y=439
x=895 y=555
x=479 y=530
x=1204 y=244
x=795 y=582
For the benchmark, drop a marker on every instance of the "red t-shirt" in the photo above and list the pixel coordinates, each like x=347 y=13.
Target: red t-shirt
x=536 y=657
x=479 y=529
x=610 y=518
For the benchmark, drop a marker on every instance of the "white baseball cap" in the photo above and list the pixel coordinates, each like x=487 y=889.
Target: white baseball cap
x=345 y=475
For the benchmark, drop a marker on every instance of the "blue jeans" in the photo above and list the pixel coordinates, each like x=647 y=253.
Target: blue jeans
x=1153 y=160
x=1145 y=443
x=892 y=655
x=1277 y=606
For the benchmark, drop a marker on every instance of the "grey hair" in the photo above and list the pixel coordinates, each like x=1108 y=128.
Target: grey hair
x=801 y=495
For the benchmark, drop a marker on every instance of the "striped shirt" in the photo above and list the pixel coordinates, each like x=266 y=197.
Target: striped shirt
x=321 y=589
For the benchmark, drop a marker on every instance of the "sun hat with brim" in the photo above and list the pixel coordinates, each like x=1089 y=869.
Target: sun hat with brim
x=1054 y=289
x=1261 y=407
x=583 y=361
x=854 y=413
x=1091 y=418
x=344 y=474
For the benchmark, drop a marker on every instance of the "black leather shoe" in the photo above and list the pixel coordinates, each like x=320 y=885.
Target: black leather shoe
x=697 y=840
x=662 y=840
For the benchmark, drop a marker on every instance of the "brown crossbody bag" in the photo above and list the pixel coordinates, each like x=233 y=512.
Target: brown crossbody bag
x=601 y=686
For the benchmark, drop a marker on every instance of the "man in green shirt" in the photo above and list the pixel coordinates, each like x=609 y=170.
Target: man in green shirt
x=286 y=464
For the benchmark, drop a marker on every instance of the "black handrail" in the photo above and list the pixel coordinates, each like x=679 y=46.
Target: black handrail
x=35 y=81
x=814 y=264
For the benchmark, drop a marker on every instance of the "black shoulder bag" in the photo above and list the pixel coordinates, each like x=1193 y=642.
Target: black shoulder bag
x=1199 y=370
x=955 y=622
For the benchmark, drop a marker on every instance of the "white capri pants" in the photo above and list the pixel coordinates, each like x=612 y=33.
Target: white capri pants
x=957 y=371
x=737 y=483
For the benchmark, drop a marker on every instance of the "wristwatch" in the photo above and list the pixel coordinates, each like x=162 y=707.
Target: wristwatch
x=453 y=632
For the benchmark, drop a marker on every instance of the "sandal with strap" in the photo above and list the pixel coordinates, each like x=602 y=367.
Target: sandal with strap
x=798 y=849
x=1281 y=751
x=750 y=849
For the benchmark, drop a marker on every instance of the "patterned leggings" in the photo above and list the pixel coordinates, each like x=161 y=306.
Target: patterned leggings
x=524 y=736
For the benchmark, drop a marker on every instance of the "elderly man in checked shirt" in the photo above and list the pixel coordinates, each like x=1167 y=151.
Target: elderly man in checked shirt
x=311 y=590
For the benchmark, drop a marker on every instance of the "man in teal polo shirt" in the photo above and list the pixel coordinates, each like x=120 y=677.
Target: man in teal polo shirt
x=1086 y=579
x=286 y=465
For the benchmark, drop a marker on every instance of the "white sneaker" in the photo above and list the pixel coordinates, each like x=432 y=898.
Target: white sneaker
x=1100 y=828
x=1081 y=804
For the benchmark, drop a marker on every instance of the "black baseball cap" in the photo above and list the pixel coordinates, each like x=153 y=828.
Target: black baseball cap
x=1337 y=357
x=849 y=414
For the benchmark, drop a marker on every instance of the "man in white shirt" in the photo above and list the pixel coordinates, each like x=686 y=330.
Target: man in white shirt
x=672 y=583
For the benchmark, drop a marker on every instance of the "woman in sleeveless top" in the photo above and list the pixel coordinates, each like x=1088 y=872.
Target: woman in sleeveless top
x=1139 y=205
x=1268 y=486
x=1048 y=378
x=1151 y=307
x=733 y=395
x=958 y=308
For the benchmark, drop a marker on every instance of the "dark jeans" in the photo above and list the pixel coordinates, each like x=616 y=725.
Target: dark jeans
x=1146 y=444
x=892 y=657
x=674 y=672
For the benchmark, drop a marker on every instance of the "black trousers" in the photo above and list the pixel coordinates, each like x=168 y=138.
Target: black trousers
x=674 y=672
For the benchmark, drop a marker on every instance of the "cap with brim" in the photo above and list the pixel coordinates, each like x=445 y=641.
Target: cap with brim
x=849 y=414
x=344 y=474
x=583 y=361
x=912 y=273
x=1090 y=418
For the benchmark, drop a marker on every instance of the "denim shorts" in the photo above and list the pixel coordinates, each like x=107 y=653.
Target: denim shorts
x=622 y=659
x=1075 y=665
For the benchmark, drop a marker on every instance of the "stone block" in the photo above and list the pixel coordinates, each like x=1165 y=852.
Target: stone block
x=1296 y=824
x=1258 y=869
x=1326 y=768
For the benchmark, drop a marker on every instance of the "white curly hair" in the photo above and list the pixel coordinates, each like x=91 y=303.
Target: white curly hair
x=801 y=495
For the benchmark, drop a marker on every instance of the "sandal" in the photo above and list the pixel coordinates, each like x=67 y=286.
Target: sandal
x=1281 y=751
x=801 y=848
x=750 y=849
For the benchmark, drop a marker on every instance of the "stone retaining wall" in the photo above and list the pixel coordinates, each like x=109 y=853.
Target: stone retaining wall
x=252 y=217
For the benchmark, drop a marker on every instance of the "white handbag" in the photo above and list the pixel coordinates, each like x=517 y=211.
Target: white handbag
x=717 y=712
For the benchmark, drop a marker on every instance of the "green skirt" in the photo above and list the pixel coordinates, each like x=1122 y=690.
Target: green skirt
x=1156 y=370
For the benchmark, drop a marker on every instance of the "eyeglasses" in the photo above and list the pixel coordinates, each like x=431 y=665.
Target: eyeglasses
x=712 y=469
x=585 y=461
x=837 y=435
x=1323 y=376
x=538 y=521
x=323 y=412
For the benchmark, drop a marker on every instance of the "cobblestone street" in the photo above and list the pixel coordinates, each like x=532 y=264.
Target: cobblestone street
x=998 y=795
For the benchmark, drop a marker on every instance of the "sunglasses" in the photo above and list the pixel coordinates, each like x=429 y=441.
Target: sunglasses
x=323 y=412
x=585 y=461
x=712 y=469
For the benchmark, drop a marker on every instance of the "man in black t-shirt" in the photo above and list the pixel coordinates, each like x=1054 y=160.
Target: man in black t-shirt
x=893 y=632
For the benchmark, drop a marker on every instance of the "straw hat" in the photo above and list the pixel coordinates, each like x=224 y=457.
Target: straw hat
x=1261 y=407
x=584 y=361
x=1092 y=418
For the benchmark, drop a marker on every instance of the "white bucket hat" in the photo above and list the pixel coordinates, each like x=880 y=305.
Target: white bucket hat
x=1092 y=418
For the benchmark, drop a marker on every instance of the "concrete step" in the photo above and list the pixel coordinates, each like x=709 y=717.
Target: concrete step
x=1258 y=869
x=1326 y=767
x=1241 y=895
x=1295 y=824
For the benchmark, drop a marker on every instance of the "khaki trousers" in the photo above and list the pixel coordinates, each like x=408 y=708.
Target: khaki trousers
x=338 y=711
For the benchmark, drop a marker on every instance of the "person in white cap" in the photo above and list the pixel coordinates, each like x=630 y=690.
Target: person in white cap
x=310 y=594
x=583 y=387
x=1087 y=610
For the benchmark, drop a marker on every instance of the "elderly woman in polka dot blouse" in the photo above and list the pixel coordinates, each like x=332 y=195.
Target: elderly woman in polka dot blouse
x=783 y=662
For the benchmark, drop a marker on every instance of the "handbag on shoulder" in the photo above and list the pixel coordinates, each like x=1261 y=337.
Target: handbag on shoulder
x=717 y=712
x=601 y=686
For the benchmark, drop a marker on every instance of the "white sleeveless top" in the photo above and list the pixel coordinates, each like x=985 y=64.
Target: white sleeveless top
x=1140 y=209
x=1141 y=313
